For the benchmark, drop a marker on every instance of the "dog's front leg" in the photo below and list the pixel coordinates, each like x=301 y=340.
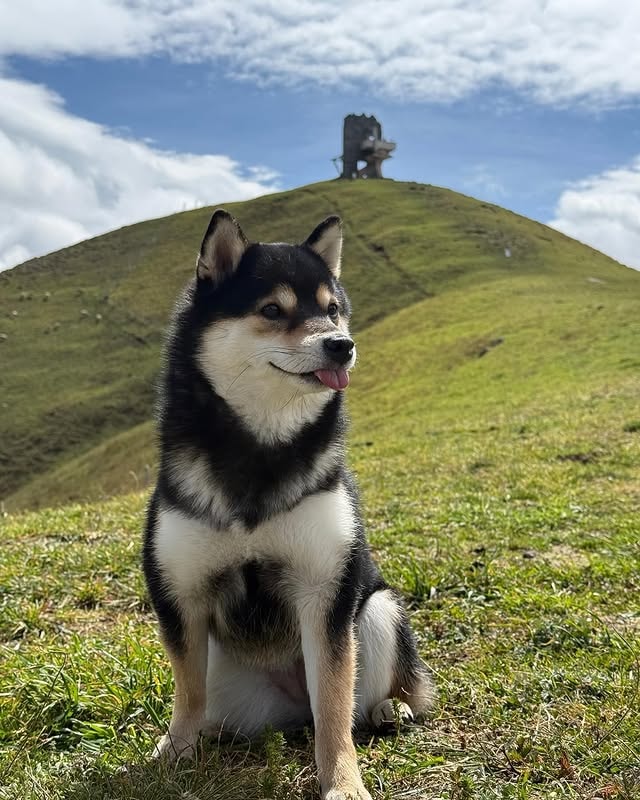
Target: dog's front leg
x=189 y=664
x=330 y=666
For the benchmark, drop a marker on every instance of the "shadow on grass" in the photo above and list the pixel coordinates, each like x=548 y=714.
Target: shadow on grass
x=267 y=768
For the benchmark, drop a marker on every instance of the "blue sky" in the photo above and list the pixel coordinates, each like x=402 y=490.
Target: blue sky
x=117 y=111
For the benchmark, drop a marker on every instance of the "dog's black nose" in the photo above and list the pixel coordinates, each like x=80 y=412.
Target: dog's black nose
x=340 y=348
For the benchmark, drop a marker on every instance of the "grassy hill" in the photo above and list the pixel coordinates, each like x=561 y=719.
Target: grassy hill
x=496 y=437
x=81 y=329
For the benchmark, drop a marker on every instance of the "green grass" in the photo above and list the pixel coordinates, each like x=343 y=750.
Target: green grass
x=495 y=435
x=512 y=531
x=520 y=566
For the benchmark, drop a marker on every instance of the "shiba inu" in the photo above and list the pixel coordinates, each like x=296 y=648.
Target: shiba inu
x=271 y=609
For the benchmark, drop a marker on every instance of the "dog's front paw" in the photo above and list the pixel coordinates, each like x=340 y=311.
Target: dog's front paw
x=354 y=791
x=177 y=743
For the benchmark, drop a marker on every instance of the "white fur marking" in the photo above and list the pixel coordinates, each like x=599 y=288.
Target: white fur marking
x=244 y=699
x=311 y=540
x=377 y=651
x=192 y=476
x=237 y=361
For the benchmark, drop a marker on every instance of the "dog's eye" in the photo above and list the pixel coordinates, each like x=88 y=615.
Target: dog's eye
x=332 y=310
x=271 y=311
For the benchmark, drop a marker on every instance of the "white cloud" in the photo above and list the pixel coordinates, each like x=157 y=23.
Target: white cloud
x=604 y=211
x=557 y=51
x=64 y=178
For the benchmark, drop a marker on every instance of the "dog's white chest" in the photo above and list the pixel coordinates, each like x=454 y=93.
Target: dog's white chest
x=311 y=543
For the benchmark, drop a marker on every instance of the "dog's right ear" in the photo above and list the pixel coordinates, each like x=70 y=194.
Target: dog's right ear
x=326 y=241
x=222 y=248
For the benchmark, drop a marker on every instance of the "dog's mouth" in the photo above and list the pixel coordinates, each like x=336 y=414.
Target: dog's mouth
x=337 y=379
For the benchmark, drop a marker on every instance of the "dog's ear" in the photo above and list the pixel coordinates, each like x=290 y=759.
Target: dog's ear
x=222 y=248
x=326 y=241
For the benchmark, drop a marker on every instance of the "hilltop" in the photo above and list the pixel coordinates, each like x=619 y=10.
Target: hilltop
x=461 y=309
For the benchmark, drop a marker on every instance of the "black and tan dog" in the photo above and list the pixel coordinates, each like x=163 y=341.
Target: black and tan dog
x=270 y=606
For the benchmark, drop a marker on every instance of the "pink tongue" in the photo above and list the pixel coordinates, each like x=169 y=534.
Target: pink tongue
x=333 y=378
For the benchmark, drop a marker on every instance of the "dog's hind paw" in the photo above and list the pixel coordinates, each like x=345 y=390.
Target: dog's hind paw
x=174 y=745
x=391 y=714
x=212 y=730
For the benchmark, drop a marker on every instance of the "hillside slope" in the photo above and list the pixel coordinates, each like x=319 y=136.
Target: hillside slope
x=498 y=449
x=451 y=329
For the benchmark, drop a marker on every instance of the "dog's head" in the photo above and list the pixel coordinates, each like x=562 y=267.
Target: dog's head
x=274 y=318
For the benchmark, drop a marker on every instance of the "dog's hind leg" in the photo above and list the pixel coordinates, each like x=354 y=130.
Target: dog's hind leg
x=392 y=682
x=246 y=700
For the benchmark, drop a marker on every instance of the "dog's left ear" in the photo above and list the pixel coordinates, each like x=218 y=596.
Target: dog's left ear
x=223 y=246
x=326 y=241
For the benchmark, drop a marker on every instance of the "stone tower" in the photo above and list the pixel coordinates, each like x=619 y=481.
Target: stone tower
x=362 y=141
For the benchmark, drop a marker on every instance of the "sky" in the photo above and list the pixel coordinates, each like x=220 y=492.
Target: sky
x=115 y=111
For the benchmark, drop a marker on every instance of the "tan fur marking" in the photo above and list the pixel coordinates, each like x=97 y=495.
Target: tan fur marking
x=190 y=699
x=259 y=325
x=290 y=338
x=283 y=296
x=324 y=296
x=335 y=751
x=264 y=327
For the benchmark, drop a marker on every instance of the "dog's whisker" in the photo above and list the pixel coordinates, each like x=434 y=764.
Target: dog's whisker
x=290 y=400
x=238 y=377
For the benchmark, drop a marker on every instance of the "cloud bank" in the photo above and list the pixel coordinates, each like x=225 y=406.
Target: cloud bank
x=65 y=179
x=555 y=51
x=604 y=211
